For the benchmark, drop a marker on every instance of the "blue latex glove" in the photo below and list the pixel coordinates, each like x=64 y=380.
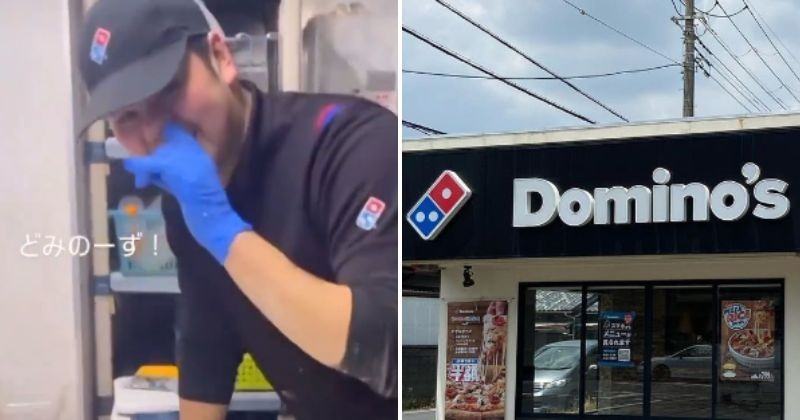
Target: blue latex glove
x=181 y=167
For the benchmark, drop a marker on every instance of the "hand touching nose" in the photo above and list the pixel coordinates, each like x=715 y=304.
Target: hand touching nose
x=181 y=167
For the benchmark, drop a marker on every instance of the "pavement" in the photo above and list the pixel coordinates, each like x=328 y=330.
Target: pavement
x=419 y=415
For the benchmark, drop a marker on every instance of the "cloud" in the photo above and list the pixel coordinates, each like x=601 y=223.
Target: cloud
x=569 y=43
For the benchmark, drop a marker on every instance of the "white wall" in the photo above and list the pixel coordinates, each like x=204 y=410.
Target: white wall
x=420 y=321
x=500 y=279
x=41 y=358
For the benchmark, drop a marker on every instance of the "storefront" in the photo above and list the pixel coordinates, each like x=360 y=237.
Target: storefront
x=624 y=272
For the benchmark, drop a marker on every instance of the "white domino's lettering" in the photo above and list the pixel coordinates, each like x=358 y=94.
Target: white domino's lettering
x=661 y=203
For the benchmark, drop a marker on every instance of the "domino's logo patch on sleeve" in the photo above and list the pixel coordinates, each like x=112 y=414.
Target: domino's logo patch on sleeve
x=368 y=217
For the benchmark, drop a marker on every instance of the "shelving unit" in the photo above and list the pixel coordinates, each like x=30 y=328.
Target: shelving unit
x=130 y=401
x=121 y=283
x=134 y=401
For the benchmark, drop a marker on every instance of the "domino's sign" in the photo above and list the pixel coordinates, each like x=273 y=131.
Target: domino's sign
x=438 y=205
x=662 y=203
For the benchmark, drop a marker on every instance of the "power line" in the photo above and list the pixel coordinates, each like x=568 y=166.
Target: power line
x=700 y=11
x=495 y=76
x=726 y=90
x=725 y=66
x=581 y=76
x=641 y=44
x=527 y=57
x=776 y=89
x=708 y=74
x=774 y=34
x=750 y=10
x=759 y=55
x=770 y=41
x=721 y=16
x=675 y=6
x=749 y=73
x=692 y=51
x=422 y=129
x=741 y=82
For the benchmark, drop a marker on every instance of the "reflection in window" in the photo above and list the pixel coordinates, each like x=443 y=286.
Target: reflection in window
x=681 y=352
x=551 y=355
x=557 y=357
x=695 y=338
x=614 y=384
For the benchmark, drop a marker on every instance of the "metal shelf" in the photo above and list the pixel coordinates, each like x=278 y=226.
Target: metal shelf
x=129 y=401
x=144 y=284
x=255 y=401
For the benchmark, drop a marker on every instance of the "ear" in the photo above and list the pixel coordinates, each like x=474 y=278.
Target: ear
x=222 y=57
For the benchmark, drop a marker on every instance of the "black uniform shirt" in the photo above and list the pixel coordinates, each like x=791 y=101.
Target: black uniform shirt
x=317 y=178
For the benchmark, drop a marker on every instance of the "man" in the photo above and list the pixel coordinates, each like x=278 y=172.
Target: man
x=282 y=213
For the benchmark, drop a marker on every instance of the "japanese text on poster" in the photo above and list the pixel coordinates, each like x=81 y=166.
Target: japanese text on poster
x=616 y=334
x=476 y=366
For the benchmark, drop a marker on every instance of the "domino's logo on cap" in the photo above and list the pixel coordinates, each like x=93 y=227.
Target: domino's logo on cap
x=99 y=45
x=438 y=205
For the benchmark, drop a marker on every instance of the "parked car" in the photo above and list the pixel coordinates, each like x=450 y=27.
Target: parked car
x=555 y=387
x=693 y=362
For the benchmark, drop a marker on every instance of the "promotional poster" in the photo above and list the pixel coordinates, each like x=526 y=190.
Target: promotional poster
x=476 y=359
x=748 y=341
x=616 y=332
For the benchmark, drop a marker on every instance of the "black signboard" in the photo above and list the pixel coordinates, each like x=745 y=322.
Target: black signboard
x=483 y=227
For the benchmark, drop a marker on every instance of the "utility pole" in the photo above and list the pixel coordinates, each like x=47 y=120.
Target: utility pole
x=688 y=60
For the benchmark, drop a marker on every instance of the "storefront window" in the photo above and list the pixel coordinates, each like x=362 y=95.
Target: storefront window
x=750 y=352
x=708 y=349
x=681 y=362
x=552 y=351
x=614 y=382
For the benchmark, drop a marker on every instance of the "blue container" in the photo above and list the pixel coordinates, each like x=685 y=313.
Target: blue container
x=151 y=256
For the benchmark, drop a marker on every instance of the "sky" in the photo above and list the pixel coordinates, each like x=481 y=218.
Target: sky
x=559 y=37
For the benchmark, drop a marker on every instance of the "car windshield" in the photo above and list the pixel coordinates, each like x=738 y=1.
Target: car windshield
x=557 y=358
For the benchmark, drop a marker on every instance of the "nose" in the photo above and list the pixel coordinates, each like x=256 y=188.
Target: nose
x=151 y=132
x=140 y=134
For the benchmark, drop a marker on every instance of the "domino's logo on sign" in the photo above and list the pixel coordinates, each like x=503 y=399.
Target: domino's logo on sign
x=438 y=205
x=99 y=45
x=368 y=217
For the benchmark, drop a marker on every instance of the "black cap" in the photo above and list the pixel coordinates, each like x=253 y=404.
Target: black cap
x=131 y=49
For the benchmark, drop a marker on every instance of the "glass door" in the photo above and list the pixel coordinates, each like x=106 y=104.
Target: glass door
x=549 y=366
x=614 y=378
x=680 y=361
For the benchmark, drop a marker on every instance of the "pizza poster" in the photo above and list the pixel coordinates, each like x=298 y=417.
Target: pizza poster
x=476 y=359
x=747 y=344
x=616 y=336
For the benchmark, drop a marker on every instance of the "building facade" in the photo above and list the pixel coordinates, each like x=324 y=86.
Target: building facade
x=634 y=271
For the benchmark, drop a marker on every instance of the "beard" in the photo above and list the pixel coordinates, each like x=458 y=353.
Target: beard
x=230 y=141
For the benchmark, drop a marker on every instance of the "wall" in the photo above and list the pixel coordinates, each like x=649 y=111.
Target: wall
x=420 y=337
x=42 y=361
x=420 y=321
x=419 y=376
x=501 y=278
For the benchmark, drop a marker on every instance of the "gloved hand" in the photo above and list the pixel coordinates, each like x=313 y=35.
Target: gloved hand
x=181 y=167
